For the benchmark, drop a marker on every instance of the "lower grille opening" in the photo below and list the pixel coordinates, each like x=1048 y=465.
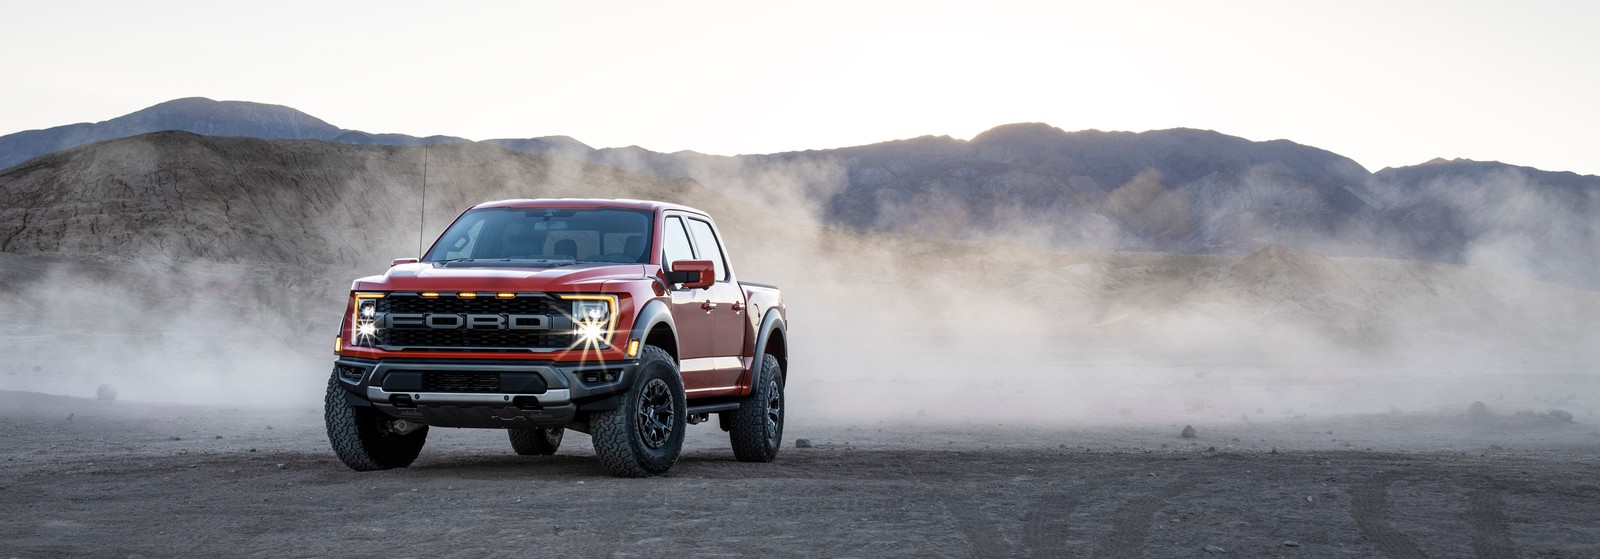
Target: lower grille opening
x=461 y=382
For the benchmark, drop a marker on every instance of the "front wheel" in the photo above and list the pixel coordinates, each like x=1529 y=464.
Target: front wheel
x=643 y=436
x=361 y=436
x=756 y=428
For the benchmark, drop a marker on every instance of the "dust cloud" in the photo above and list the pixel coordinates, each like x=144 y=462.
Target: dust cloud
x=991 y=331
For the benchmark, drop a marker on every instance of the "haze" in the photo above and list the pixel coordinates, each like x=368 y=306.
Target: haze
x=1385 y=84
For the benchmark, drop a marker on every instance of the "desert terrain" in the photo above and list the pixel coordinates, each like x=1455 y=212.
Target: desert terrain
x=84 y=477
x=960 y=397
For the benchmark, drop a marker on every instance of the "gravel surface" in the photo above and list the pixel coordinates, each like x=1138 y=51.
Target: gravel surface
x=129 y=478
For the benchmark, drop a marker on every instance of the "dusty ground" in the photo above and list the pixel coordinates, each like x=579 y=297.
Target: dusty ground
x=115 y=479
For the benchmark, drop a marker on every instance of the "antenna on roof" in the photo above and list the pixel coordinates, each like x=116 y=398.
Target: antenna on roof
x=423 y=214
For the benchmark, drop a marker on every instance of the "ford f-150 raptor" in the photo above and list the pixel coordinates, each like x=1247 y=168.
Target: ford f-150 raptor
x=622 y=319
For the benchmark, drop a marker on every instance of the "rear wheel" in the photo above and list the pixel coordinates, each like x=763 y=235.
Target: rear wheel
x=362 y=437
x=537 y=441
x=643 y=436
x=756 y=428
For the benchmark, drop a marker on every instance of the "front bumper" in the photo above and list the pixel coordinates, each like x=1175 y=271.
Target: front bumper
x=454 y=393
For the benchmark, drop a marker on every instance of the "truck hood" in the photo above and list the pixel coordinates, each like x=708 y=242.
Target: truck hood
x=428 y=277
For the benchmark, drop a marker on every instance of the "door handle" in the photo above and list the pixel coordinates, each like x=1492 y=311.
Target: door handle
x=738 y=306
x=708 y=306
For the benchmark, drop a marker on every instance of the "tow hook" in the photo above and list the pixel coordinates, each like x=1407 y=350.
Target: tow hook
x=403 y=427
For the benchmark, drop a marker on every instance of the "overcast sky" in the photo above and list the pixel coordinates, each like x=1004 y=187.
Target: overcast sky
x=1386 y=82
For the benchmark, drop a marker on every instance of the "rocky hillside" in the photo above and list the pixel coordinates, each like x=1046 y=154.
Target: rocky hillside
x=1185 y=191
x=1518 y=220
x=198 y=115
x=223 y=234
x=181 y=196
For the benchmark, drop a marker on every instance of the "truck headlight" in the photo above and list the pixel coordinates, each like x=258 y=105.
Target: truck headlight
x=363 y=322
x=593 y=319
x=591 y=311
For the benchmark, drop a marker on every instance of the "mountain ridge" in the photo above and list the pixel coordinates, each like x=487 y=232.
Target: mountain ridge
x=1180 y=190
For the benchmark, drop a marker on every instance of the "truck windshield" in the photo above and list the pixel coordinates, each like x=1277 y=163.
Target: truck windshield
x=545 y=236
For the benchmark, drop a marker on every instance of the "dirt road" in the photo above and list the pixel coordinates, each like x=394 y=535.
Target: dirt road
x=121 y=479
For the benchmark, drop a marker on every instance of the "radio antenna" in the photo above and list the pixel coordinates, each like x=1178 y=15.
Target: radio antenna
x=422 y=215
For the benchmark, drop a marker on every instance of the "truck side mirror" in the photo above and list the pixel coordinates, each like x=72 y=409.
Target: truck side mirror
x=399 y=261
x=693 y=274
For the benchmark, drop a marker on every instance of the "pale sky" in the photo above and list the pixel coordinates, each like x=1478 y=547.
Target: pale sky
x=1386 y=83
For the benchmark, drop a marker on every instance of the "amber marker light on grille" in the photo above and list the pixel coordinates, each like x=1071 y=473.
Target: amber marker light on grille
x=633 y=348
x=505 y=295
x=430 y=294
x=467 y=295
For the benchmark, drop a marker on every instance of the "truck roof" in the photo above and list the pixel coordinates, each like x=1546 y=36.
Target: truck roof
x=522 y=203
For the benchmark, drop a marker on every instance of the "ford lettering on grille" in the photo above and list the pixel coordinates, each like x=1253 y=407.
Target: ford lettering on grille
x=455 y=321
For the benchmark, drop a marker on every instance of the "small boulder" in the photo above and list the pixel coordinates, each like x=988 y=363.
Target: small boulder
x=106 y=392
x=1188 y=432
x=1561 y=415
x=1478 y=411
x=802 y=443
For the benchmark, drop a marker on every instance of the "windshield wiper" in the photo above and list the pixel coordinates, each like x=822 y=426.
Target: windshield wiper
x=513 y=262
x=447 y=261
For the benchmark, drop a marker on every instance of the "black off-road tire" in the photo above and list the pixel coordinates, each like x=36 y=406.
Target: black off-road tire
x=756 y=428
x=360 y=439
x=644 y=435
x=537 y=441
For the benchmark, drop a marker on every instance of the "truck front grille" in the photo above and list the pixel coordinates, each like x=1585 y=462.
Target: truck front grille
x=557 y=333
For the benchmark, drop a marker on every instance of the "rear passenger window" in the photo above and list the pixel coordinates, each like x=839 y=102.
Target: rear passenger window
x=710 y=248
x=675 y=243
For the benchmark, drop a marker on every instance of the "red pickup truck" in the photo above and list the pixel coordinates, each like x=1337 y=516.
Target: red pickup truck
x=622 y=319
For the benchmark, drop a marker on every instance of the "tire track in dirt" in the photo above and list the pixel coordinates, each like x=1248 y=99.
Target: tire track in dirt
x=1043 y=522
x=1044 y=527
x=1491 y=535
x=976 y=526
x=1369 y=507
x=1133 y=522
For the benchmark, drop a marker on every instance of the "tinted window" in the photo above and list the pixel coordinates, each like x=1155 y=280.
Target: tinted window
x=675 y=243
x=601 y=235
x=710 y=248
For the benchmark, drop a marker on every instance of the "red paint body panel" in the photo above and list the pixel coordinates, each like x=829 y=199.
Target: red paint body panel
x=717 y=324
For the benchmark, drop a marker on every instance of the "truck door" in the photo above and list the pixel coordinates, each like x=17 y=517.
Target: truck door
x=726 y=306
x=696 y=331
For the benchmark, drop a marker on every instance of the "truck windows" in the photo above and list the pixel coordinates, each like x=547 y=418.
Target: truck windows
x=460 y=246
x=675 y=243
x=584 y=235
x=710 y=248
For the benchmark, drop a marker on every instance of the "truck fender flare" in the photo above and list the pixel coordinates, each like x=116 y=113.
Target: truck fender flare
x=653 y=313
x=771 y=322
